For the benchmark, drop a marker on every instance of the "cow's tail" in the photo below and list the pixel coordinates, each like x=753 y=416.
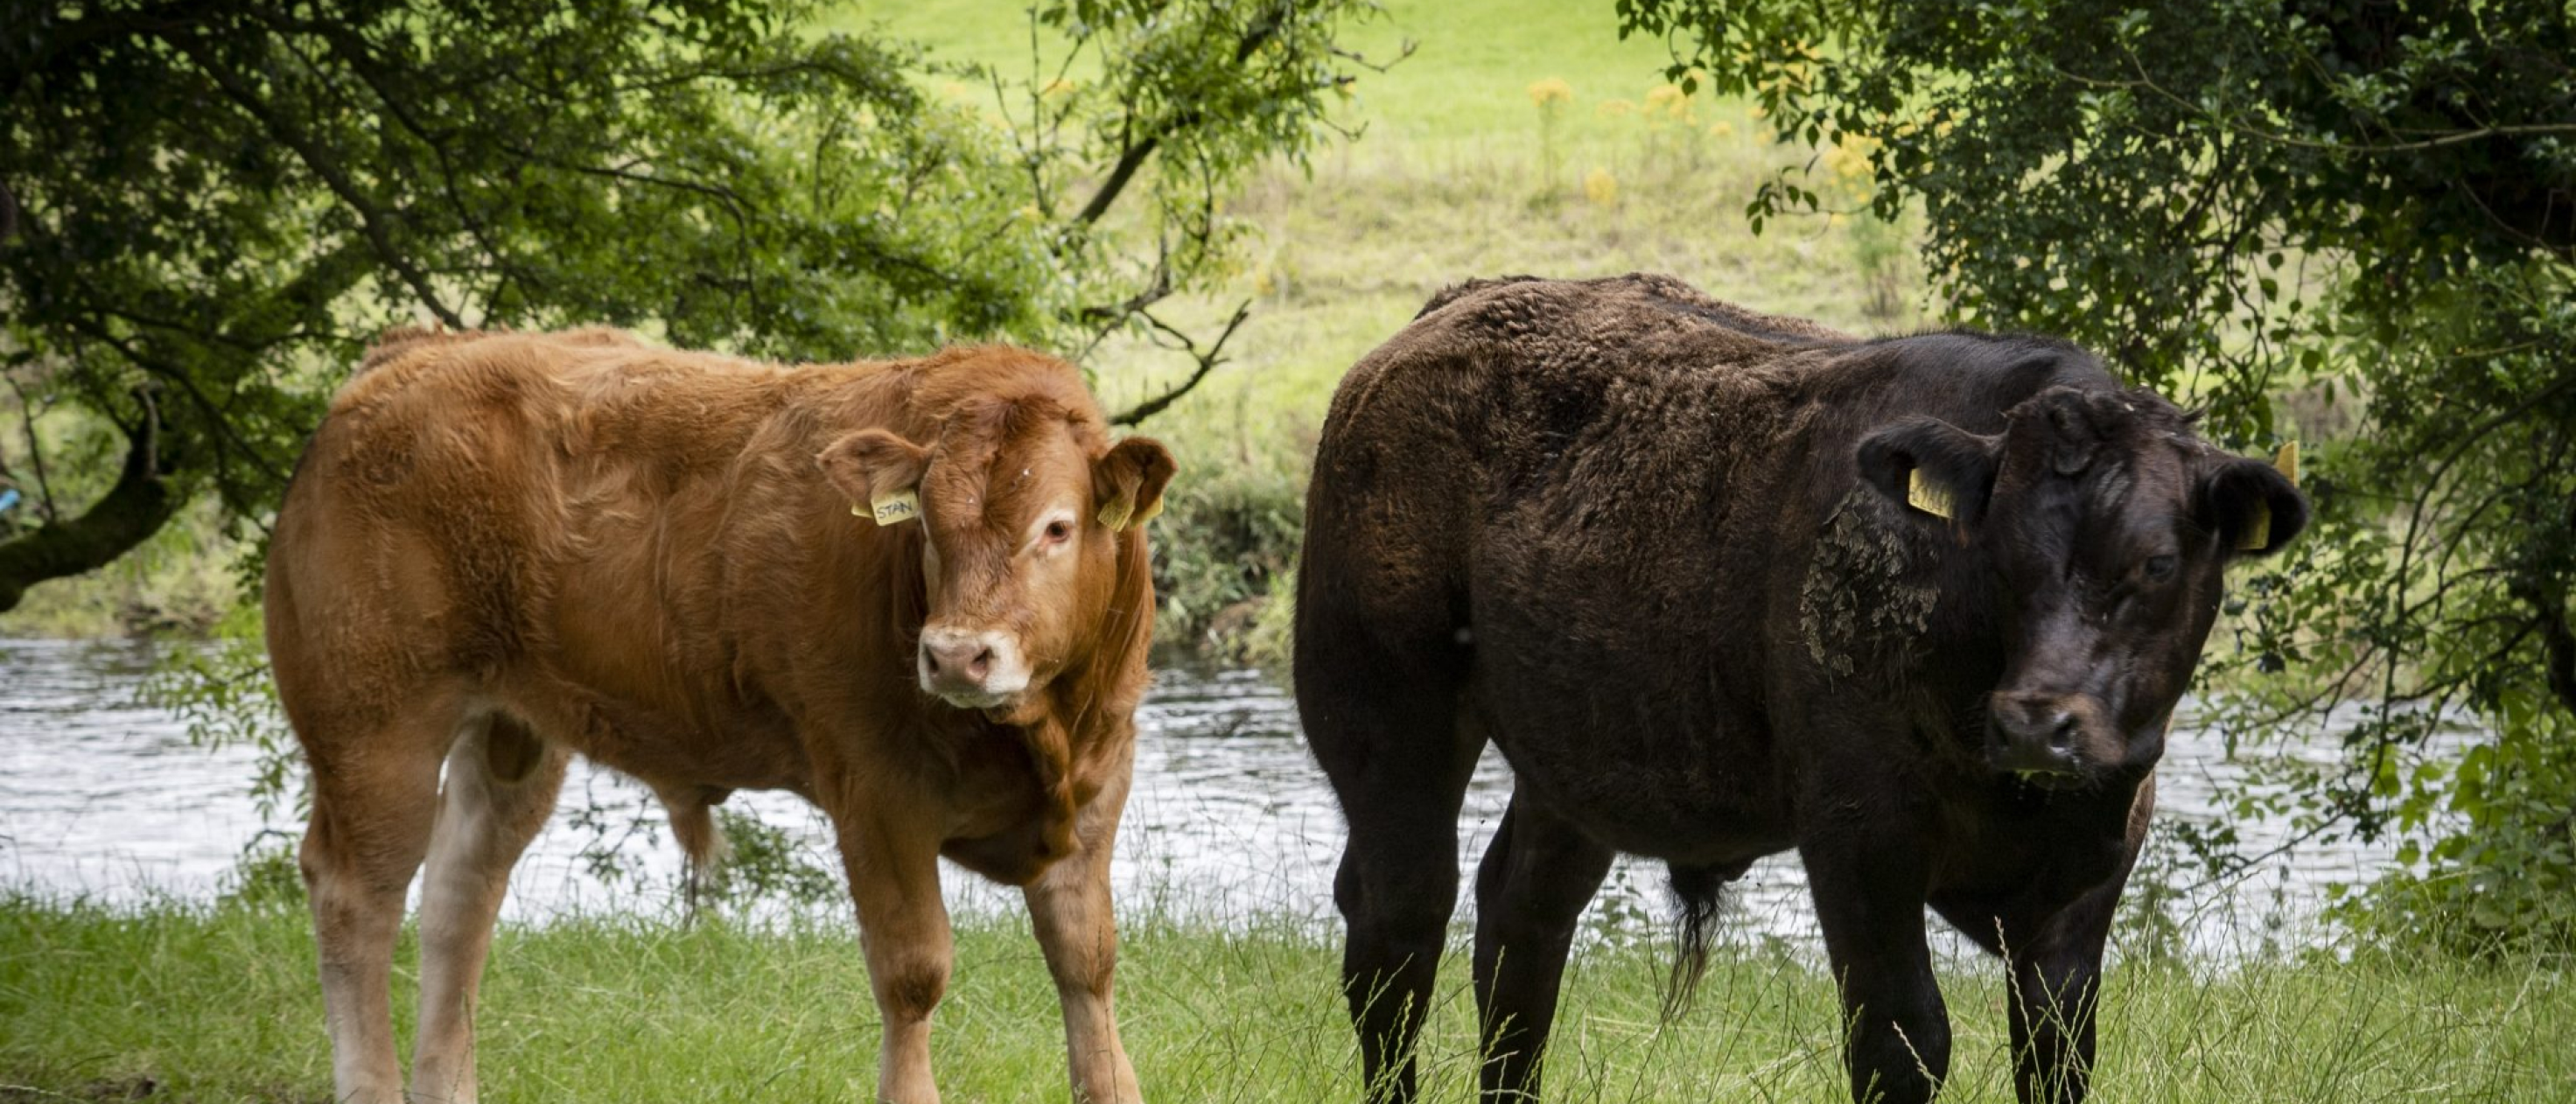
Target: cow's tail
x=1697 y=891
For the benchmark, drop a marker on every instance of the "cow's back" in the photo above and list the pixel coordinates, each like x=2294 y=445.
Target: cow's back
x=521 y=509
x=1613 y=496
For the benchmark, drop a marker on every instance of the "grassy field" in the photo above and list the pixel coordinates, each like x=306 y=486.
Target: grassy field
x=1453 y=176
x=212 y=1003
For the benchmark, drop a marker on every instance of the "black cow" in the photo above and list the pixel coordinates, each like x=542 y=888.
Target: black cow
x=1722 y=584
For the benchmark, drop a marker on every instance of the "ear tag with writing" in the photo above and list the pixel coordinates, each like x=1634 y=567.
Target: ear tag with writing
x=1928 y=496
x=2259 y=534
x=893 y=509
x=1117 y=513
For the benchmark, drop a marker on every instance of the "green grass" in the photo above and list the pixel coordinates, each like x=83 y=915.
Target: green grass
x=219 y=1003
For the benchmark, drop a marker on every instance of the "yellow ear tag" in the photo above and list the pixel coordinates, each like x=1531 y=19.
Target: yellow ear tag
x=2259 y=534
x=1115 y=514
x=893 y=509
x=1929 y=497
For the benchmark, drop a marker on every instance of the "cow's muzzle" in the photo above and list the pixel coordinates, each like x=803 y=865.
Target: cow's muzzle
x=2048 y=739
x=972 y=669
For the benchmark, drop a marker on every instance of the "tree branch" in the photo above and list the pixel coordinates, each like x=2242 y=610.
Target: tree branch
x=2557 y=641
x=1207 y=362
x=1133 y=156
x=136 y=507
x=370 y=220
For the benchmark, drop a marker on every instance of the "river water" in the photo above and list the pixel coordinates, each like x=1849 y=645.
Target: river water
x=1229 y=822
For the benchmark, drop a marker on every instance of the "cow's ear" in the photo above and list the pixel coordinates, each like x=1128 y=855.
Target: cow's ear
x=873 y=465
x=1932 y=467
x=1128 y=481
x=2255 y=506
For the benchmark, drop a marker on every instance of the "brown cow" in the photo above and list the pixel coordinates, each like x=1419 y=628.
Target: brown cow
x=504 y=549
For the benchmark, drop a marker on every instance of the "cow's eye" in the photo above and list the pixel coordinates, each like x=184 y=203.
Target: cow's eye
x=1059 y=531
x=2158 y=569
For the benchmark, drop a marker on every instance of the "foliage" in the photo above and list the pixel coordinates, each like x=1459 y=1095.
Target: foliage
x=2374 y=202
x=221 y=689
x=206 y=212
x=1243 y=529
x=763 y=862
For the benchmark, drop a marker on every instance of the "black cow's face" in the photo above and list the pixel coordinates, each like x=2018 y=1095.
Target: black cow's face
x=2107 y=524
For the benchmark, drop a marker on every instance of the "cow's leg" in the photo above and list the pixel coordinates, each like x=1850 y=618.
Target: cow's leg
x=1383 y=659
x=1869 y=886
x=2057 y=985
x=1537 y=875
x=375 y=797
x=501 y=784
x=903 y=926
x=1069 y=905
x=2055 y=955
x=1399 y=761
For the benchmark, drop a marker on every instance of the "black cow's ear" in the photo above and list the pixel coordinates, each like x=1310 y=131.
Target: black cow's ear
x=2253 y=506
x=1932 y=467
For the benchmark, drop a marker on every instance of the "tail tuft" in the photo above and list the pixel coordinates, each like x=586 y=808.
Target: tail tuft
x=1697 y=893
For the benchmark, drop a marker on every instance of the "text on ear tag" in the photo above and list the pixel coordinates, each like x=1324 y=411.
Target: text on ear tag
x=1928 y=496
x=1114 y=514
x=894 y=509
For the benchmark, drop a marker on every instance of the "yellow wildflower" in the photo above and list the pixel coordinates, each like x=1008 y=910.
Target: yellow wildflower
x=1600 y=187
x=1850 y=156
x=1667 y=99
x=1612 y=109
x=1721 y=129
x=1551 y=90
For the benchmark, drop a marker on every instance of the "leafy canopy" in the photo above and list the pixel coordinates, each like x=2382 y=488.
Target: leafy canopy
x=2358 y=212
x=207 y=209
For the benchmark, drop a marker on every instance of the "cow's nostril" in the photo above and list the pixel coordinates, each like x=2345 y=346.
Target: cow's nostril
x=981 y=665
x=2062 y=735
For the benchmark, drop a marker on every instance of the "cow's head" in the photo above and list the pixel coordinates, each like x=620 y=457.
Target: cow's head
x=2106 y=524
x=1026 y=512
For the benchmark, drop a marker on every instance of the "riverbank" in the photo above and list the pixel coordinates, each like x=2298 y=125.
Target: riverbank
x=210 y=1003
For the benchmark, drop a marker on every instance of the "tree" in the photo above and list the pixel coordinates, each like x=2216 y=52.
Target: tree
x=2368 y=203
x=208 y=208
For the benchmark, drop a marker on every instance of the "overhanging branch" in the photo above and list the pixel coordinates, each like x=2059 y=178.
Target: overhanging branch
x=1140 y=147
x=136 y=507
x=1207 y=360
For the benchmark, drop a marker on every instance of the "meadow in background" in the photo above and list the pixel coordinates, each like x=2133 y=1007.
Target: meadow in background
x=1533 y=141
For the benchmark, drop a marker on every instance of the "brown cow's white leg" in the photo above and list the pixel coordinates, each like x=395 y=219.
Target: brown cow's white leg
x=501 y=784
x=1070 y=906
x=371 y=823
x=903 y=924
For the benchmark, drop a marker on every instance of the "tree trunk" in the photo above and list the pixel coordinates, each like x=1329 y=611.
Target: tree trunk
x=135 y=508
